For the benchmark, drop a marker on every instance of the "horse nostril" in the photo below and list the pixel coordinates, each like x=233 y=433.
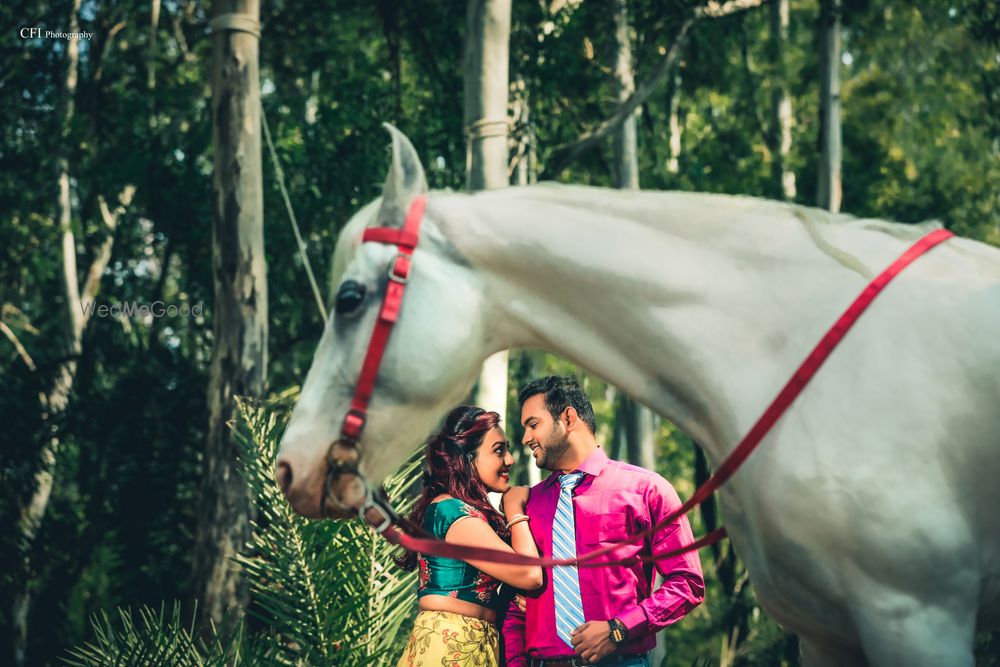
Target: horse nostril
x=283 y=473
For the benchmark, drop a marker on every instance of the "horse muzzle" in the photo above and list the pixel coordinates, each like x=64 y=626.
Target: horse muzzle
x=347 y=494
x=328 y=487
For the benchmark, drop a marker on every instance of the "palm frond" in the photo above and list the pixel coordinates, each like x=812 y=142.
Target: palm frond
x=327 y=593
x=154 y=638
x=329 y=590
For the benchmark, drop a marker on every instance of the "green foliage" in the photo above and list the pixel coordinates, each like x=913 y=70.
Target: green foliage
x=328 y=593
x=323 y=592
x=155 y=639
x=914 y=121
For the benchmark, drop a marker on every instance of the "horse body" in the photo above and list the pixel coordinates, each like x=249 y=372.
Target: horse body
x=873 y=498
x=868 y=516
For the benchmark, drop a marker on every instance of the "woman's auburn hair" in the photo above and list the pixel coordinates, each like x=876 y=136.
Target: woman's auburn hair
x=448 y=469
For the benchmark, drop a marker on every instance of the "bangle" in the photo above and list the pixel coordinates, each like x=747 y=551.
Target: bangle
x=517 y=519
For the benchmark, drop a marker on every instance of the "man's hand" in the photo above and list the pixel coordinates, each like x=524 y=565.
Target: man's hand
x=514 y=500
x=592 y=641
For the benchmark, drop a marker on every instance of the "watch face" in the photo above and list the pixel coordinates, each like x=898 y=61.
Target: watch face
x=617 y=635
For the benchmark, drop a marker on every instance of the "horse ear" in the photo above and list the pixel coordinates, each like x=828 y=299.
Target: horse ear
x=405 y=181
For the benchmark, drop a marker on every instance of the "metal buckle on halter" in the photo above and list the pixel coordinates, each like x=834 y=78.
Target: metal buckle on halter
x=382 y=505
x=354 y=424
x=403 y=278
x=336 y=470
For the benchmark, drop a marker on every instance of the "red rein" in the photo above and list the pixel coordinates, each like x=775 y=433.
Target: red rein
x=406 y=240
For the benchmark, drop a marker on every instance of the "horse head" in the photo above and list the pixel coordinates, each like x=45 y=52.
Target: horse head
x=430 y=361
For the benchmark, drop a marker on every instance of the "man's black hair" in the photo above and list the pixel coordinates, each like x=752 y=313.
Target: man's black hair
x=560 y=393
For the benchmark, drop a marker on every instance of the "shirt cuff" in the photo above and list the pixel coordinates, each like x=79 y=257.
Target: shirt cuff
x=634 y=620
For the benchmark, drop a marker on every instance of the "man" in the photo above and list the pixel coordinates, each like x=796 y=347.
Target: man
x=607 y=615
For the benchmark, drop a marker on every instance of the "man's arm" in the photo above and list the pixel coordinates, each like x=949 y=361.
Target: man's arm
x=513 y=636
x=683 y=586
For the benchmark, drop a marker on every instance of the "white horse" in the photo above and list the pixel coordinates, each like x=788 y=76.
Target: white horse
x=869 y=518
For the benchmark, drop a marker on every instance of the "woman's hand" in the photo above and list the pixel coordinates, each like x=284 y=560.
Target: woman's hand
x=514 y=500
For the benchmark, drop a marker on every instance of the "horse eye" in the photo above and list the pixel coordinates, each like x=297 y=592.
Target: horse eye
x=349 y=297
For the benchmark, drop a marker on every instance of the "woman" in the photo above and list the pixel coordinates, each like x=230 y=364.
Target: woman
x=458 y=599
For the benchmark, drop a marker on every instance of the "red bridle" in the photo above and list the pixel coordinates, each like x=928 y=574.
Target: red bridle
x=405 y=240
x=385 y=521
x=376 y=509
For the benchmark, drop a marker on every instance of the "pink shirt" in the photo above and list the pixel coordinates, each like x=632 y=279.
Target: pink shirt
x=613 y=501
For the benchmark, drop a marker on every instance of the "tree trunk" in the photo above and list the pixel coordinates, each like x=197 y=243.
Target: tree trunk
x=634 y=432
x=239 y=353
x=525 y=365
x=634 y=423
x=732 y=575
x=55 y=401
x=781 y=104
x=626 y=151
x=487 y=54
x=312 y=100
x=676 y=127
x=638 y=421
x=75 y=318
x=523 y=172
x=154 y=24
x=828 y=191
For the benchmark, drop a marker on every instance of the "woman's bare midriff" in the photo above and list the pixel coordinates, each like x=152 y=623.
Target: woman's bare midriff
x=445 y=603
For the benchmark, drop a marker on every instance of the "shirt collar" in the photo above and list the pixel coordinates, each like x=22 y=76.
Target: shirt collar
x=592 y=465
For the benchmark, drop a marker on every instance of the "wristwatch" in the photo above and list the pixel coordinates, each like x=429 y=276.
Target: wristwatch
x=619 y=633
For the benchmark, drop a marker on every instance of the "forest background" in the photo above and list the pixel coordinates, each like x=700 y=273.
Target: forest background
x=106 y=162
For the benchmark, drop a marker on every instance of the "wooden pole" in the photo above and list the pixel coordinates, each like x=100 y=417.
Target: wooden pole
x=486 y=69
x=239 y=355
x=829 y=186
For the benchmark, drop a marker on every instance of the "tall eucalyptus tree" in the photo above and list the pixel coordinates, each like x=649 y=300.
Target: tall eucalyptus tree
x=239 y=353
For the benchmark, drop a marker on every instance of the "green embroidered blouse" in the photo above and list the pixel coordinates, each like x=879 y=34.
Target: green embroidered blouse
x=448 y=576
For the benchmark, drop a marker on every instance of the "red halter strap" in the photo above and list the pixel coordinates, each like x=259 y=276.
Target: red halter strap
x=405 y=240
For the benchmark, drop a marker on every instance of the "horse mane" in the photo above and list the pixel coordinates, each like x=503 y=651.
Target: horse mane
x=725 y=207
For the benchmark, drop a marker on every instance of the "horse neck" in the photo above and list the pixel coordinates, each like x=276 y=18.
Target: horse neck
x=683 y=301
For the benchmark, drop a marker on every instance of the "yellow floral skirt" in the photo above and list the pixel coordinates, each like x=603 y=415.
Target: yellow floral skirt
x=446 y=639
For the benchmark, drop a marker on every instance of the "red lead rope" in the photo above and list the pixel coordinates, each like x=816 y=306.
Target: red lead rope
x=806 y=372
x=729 y=466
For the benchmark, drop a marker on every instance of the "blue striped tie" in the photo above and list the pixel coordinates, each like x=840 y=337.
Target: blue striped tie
x=566 y=580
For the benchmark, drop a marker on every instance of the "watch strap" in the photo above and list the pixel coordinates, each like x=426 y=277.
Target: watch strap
x=619 y=633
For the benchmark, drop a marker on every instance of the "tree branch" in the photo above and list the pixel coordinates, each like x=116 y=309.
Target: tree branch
x=103 y=254
x=23 y=353
x=565 y=154
x=104 y=49
x=715 y=10
x=181 y=40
